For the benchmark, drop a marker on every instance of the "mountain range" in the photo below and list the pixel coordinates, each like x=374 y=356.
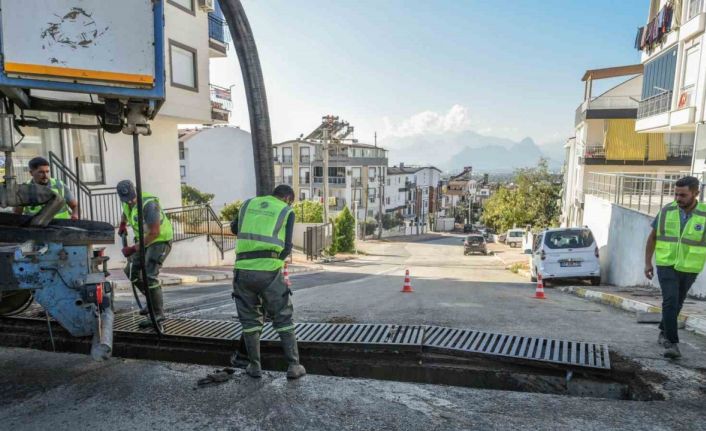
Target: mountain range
x=452 y=151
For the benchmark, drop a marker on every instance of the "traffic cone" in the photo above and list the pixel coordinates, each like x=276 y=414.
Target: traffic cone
x=286 y=276
x=407 y=288
x=539 y=293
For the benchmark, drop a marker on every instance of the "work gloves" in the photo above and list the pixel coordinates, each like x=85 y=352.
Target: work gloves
x=129 y=251
x=122 y=230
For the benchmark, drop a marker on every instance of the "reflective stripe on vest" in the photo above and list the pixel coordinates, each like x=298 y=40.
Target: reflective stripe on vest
x=261 y=227
x=684 y=249
x=166 y=231
x=57 y=187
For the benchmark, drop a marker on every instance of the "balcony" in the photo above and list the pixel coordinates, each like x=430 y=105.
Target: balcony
x=606 y=107
x=334 y=181
x=221 y=103
x=217 y=36
x=677 y=155
x=655 y=105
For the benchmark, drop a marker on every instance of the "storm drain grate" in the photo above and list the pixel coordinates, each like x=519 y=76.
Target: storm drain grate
x=580 y=354
x=533 y=349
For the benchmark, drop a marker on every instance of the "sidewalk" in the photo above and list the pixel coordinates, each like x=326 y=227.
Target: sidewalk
x=640 y=299
x=177 y=276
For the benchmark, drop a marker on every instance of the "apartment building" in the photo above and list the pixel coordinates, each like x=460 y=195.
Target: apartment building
x=606 y=141
x=356 y=173
x=673 y=96
x=193 y=35
x=400 y=192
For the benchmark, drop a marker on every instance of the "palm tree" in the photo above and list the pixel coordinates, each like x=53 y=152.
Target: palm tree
x=254 y=86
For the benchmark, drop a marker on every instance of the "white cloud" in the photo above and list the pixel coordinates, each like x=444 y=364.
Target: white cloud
x=457 y=119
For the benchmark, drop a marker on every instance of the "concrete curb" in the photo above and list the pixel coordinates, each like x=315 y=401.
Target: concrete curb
x=169 y=279
x=693 y=323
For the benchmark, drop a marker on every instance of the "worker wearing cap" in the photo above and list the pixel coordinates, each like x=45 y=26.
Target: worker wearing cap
x=39 y=170
x=678 y=241
x=158 y=237
x=264 y=229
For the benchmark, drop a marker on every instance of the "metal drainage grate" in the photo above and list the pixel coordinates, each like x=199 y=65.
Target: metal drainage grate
x=580 y=354
x=195 y=328
x=351 y=333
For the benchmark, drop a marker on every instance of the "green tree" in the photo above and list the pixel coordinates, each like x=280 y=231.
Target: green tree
x=308 y=212
x=230 y=212
x=531 y=199
x=344 y=231
x=193 y=196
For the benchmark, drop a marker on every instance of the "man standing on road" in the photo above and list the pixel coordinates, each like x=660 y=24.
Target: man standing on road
x=158 y=243
x=39 y=170
x=678 y=237
x=264 y=229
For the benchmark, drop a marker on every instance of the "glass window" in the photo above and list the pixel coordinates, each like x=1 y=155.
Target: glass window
x=691 y=66
x=182 y=171
x=659 y=74
x=372 y=173
x=304 y=155
x=304 y=175
x=86 y=145
x=185 y=5
x=570 y=238
x=182 y=151
x=287 y=155
x=183 y=66
x=37 y=142
x=694 y=8
x=287 y=174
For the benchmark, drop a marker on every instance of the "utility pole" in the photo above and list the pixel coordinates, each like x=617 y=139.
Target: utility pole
x=325 y=157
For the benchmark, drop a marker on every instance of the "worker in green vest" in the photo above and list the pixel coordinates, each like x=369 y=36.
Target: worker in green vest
x=678 y=242
x=264 y=229
x=39 y=170
x=158 y=233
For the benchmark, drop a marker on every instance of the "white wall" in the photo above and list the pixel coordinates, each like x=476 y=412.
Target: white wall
x=621 y=235
x=219 y=160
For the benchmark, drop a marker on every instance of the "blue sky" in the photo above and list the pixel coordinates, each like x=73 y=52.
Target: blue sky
x=509 y=69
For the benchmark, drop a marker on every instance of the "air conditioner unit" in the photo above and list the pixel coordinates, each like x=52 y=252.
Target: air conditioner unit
x=207 y=5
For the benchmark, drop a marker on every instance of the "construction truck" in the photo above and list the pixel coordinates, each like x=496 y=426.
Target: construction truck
x=94 y=58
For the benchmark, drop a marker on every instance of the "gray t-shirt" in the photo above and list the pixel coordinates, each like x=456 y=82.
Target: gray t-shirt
x=151 y=213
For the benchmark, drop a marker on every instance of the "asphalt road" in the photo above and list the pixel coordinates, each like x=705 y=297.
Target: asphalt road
x=43 y=390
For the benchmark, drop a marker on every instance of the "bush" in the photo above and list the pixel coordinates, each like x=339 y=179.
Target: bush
x=308 y=212
x=193 y=196
x=344 y=231
x=370 y=225
x=230 y=212
x=391 y=221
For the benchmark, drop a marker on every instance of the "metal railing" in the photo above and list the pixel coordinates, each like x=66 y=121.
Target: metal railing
x=305 y=159
x=594 y=152
x=655 y=105
x=286 y=159
x=97 y=204
x=199 y=220
x=331 y=180
x=673 y=151
x=217 y=29
x=643 y=193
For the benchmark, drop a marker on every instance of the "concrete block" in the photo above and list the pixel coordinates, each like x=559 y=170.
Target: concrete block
x=648 y=317
x=204 y=277
x=220 y=276
x=170 y=281
x=184 y=279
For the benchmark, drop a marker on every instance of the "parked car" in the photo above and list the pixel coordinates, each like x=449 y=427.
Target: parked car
x=501 y=238
x=514 y=237
x=566 y=253
x=474 y=244
x=467 y=228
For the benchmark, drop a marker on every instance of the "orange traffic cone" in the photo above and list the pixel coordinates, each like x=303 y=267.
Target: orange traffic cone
x=407 y=288
x=286 y=276
x=539 y=293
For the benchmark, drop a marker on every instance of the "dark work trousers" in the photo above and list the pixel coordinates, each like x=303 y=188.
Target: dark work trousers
x=254 y=291
x=675 y=285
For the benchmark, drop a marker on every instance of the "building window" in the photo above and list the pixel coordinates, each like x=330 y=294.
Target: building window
x=183 y=65
x=387 y=201
x=659 y=74
x=694 y=8
x=691 y=66
x=304 y=155
x=287 y=155
x=37 y=142
x=87 y=147
x=274 y=154
x=372 y=173
x=182 y=171
x=287 y=176
x=182 y=151
x=185 y=5
x=304 y=176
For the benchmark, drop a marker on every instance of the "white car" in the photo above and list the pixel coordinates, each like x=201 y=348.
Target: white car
x=514 y=237
x=566 y=253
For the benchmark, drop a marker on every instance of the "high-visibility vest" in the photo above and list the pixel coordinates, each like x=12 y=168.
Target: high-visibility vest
x=684 y=250
x=262 y=228
x=57 y=187
x=166 y=232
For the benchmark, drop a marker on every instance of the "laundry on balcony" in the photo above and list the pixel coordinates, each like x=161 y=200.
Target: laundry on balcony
x=650 y=35
x=621 y=142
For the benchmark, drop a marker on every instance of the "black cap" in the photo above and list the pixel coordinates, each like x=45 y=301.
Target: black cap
x=126 y=190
